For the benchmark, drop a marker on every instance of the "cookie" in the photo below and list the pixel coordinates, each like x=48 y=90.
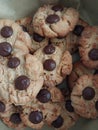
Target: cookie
x=85 y=96
x=18 y=78
x=71 y=41
x=52 y=94
x=38 y=41
x=78 y=70
x=89 y=48
x=67 y=118
x=35 y=115
x=57 y=65
x=54 y=20
x=12 y=118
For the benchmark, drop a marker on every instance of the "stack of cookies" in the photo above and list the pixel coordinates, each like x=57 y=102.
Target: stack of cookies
x=35 y=57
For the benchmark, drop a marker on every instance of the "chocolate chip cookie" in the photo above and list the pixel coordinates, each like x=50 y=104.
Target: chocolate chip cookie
x=57 y=65
x=12 y=117
x=18 y=78
x=85 y=96
x=78 y=70
x=71 y=41
x=38 y=41
x=54 y=20
x=89 y=47
x=35 y=115
x=67 y=118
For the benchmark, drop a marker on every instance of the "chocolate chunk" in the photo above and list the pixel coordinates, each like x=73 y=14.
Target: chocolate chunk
x=22 y=82
x=88 y=93
x=44 y=96
x=78 y=30
x=58 y=122
x=15 y=118
x=57 y=8
x=36 y=117
x=93 y=54
x=96 y=105
x=13 y=62
x=6 y=31
x=37 y=37
x=96 y=72
x=49 y=49
x=5 y=49
x=52 y=18
x=68 y=106
x=2 y=107
x=49 y=65
x=24 y=28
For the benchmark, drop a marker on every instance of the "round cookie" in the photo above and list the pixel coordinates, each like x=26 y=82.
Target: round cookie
x=54 y=20
x=12 y=118
x=18 y=79
x=85 y=96
x=57 y=65
x=89 y=47
x=78 y=70
x=52 y=94
x=67 y=118
x=71 y=41
x=38 y=41
x=35 y=115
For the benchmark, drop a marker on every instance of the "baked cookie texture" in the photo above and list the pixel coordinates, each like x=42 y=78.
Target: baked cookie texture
x=71 y=41
x=89 y=48
x=19 y=81
x=38 y=41
x=12 y=118
x=67 y=118
x=35 y=115
x=78 y=70
x=84 y=96
x=57 y=65
x=53 y=21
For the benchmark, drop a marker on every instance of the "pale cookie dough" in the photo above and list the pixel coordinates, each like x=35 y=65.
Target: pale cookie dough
x=57 y=65
x=89 y=47
x=54 y=20
x=85 y=96
x=67 y=118
x=71 y=41
x=78 y=70
x=38 y=41
x=12 y=118
x=18 y=79
x=35 y=115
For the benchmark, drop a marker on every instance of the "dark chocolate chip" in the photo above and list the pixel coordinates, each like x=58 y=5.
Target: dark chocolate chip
x=96 y=72
x=58 y=122
x=44 y=96
x=96 y=105
x=49 y=49
x=78 y=30
x=6 y=31
x=68 y=106
x=5 y=49
x=13 y=62
x=88 y=93
x=36 y=117
x=93 y=54
x=37 y=37
x=52 y=18
x=24 y=28
x=49 y=65
x=15 y=118
x=2 y=107
x=57 y=8
x=22 y=82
